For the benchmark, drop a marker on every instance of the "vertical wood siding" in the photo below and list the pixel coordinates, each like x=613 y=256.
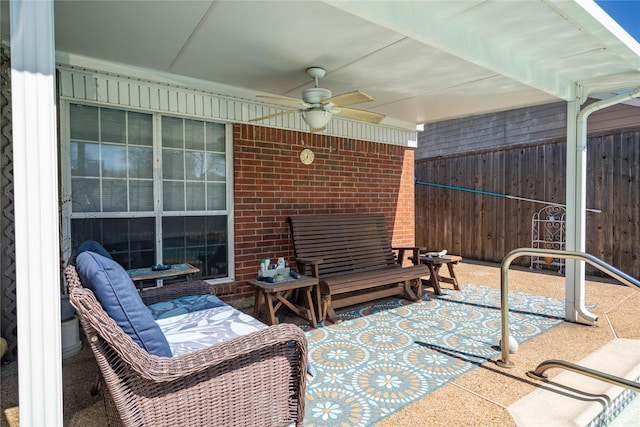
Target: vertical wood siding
x=485 y=227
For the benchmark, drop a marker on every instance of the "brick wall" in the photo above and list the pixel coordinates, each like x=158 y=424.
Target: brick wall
x=347 y=176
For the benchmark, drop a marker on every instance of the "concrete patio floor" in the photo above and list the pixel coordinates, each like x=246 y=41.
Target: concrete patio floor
x=478 y=398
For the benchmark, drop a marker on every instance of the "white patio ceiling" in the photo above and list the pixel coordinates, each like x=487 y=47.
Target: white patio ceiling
x=421 y=61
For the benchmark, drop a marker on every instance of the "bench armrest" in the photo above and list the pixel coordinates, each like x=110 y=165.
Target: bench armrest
x=415 y=258
x=313 y=262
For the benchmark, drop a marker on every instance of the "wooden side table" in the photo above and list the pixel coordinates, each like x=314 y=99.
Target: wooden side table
x=434 y=263
x=282 y=293
x=176 y=270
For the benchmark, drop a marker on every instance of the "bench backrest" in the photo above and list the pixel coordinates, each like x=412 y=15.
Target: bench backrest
x=345 y=243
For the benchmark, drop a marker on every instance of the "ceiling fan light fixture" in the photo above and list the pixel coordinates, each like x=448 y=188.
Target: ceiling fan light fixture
x=318 y=105
x=316 y=119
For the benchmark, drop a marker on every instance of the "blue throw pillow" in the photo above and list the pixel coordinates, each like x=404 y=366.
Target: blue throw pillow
x=184 y=305
x=119 y=297
x=93 y=246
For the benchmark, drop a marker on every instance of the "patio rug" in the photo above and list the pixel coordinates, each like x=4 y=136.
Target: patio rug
x=381 y=358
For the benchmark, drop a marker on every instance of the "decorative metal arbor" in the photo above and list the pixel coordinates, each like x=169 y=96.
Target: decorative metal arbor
x=548 y=232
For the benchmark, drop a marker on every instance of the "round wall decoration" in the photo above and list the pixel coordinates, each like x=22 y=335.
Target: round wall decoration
x=307 y=156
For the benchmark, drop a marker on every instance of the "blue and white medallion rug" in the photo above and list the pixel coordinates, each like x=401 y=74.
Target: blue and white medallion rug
x=383 y=357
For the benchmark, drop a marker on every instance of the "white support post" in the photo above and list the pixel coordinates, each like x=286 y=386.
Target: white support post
x=36 y=212
x=576 y=205
x=576 y=224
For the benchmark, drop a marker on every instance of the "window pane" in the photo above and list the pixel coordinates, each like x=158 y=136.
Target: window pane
x=195 y=196
x=195 y=231
x=112 y=126
x=114 y=195
x=215 y=137
x=140 y=162
x=114 y=161
x=193 y=135
x=216 y=197
x=172 y=164
x=111 y=160
x=85 y=159
x=130 y=241
x=84 y=122
x=85 y=195
x=173 y=232
x=140 y=128
x=141 y=196
x=195 y=165
x=173 y=255
x=172 y=132
x=173 y=196
x=216 y=167
x=199 y=241
x=216 y=263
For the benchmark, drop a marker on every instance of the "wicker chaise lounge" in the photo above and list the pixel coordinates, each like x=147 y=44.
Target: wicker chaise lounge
x=252 y=380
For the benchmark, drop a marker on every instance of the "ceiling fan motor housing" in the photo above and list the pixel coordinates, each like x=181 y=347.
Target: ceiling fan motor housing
x=315 y=95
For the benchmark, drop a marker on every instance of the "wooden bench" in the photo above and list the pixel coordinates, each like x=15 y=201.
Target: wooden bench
x=352 y=257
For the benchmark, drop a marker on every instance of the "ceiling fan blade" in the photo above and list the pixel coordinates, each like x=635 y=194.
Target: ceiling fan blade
x=348 y=98
x=361 y=115
x=282 y=113
x=284 y=100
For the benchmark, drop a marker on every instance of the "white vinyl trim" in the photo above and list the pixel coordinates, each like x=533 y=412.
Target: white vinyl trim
x=117 y=90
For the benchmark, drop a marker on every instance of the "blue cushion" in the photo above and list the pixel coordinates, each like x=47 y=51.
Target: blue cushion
x=93 y=246
x=184 y=305
x=119 y=297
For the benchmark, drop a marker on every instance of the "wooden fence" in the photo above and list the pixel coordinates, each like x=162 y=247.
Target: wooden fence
x=486 y=227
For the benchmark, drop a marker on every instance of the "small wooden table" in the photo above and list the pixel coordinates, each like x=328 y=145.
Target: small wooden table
x=283 y=292
x=176 y=270
x=434 y=263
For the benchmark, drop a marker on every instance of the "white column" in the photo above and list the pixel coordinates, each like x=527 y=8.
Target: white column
x=577 y=198
x=575 y=224
x=36 y=212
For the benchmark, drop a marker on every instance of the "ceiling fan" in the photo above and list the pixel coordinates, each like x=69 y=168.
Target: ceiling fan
x=318 y=105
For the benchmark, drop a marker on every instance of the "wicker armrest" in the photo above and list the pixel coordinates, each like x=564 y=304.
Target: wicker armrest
x=176 y=290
